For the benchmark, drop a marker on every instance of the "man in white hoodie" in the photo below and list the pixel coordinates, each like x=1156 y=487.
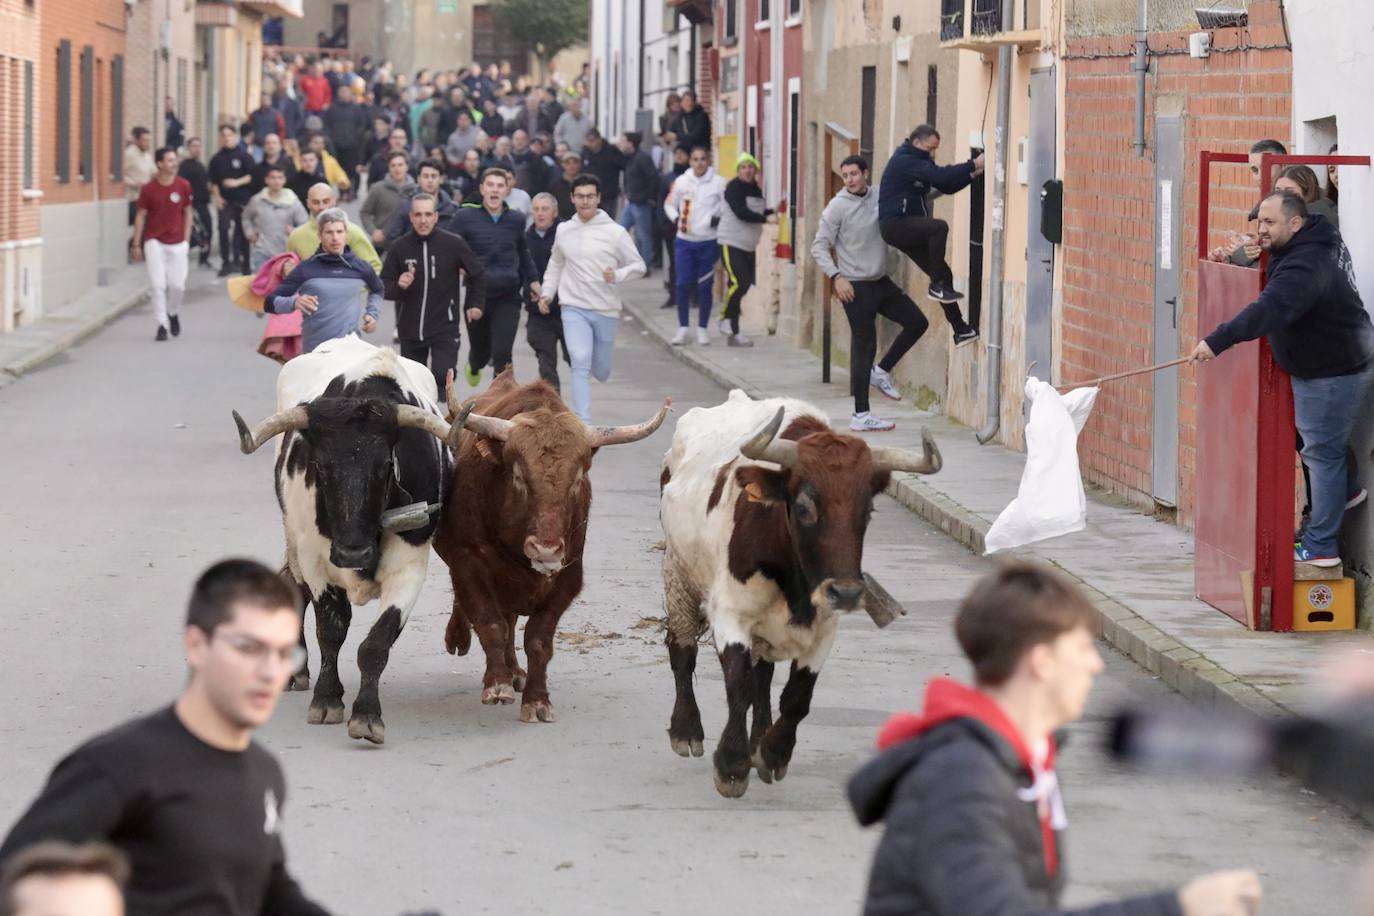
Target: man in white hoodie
x=591 y=255
x=695 y=203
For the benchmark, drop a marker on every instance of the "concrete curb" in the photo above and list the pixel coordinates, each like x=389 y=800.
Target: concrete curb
x=84 y=329
x=1184 y=670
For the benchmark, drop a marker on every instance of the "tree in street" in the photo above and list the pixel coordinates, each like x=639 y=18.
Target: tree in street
x=550 y=26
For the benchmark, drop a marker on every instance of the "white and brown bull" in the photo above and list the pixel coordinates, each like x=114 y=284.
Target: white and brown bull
x=764 y=509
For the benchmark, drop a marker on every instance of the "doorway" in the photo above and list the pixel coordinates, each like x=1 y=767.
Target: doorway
x=1168 y=229
x=1040 y=155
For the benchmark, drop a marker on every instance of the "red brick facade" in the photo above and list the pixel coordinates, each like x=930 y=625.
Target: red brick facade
x=1239 y=94
x=19 y=51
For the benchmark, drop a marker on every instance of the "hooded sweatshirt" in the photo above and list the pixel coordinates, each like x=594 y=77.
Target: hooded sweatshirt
x=339 y=282
x=582 y=251
x=911 y=174
x=383 y=197
x=272 y=220
x=850 y=223
x=695 y=204
x=1310 y=309
x=974 y=816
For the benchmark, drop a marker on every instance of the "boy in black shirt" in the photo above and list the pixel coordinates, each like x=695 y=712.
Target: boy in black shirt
x=185 y=793
x=193 y=170
x=231 y=186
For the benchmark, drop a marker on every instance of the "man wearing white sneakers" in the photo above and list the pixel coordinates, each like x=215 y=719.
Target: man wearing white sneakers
x=695 y=204
x=850 y=224
x=162 y=238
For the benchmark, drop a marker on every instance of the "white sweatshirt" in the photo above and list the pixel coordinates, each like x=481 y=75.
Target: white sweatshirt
x=696 y=204
x=582 y=252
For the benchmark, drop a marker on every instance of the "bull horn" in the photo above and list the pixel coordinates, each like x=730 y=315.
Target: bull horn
x=601 y=436
x=280 y=422
x=765 y=446
x=455 y=406
x=496 y=428
x=409 y=416
x=929 y=461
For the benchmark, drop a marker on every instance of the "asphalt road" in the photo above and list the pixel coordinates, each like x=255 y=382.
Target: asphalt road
x=124 y=480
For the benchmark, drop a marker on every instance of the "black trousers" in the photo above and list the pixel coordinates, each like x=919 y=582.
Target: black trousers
x=233 y=245
x=202 y=230
x=544 y=333
x=492 y=337
x=439 y=351
x=871 y=299
x=923 y=239
x=739 y=277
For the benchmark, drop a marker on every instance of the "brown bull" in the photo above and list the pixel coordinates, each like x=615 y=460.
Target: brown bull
x=514 y=528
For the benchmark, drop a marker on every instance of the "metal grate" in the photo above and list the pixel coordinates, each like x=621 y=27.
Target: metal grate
x=951 y=19
x=1086 y=18
x=987 y=16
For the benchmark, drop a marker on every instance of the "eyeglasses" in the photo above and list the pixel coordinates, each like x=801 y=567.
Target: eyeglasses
x=256 y=651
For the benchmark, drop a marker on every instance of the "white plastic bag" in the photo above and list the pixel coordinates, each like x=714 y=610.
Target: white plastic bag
x=1050 y=500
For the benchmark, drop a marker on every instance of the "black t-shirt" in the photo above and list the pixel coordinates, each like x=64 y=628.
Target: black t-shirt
x=232 y=163
x=201 y=826
x=193 y=170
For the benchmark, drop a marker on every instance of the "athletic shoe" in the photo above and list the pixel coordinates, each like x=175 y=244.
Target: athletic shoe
x=879 y=378
x=724 y=327
x=738 y=340
x=941 y=293
x=226 y=271
x=964 y=338
x=1303 y=555
x=396 y=336
x=1357 y=499
x=473 y=376
x=161 y=333
x=680 y=338
x=176 y=326
x=703 y=339
x=869 y=422
x=670 y=304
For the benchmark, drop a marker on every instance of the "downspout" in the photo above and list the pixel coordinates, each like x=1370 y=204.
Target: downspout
x=1141 y=68
x=639 y=73
x=996 y=274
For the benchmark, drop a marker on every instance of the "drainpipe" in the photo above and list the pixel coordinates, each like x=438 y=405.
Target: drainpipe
x=1141 y=68
x=996 y=285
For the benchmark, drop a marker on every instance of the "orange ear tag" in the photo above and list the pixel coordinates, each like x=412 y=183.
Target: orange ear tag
x=753 y=492
x=482 y=448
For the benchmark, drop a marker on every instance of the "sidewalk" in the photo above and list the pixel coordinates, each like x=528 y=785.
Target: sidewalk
x=62 y=328
x=1138 y=571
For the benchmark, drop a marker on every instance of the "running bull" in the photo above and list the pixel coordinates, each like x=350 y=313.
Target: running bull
x=363 y=466
x=513 y=531
x=764 y=510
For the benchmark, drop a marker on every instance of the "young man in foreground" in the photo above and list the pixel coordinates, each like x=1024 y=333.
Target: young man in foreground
x=973 y=810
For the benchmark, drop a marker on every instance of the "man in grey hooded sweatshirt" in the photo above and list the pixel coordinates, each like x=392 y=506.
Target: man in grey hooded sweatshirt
x=385 y=196
x=270 y=216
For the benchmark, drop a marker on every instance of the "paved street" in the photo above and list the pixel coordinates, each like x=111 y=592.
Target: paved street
x=125 y=480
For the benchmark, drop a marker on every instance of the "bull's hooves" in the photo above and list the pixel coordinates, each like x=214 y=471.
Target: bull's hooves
x=367 y=728
x=537 y=712
x=688 y=747
x=324 y=714
x=731 y=787
x=518 y=681
x=767 y=773
x=299 y=681
x=502 y=694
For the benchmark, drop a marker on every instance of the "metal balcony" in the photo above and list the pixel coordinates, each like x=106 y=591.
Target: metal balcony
x=984 y=24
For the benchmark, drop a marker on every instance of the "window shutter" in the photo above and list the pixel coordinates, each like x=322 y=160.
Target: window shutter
x=87 y=164
x=64 y=111
x=117 y=117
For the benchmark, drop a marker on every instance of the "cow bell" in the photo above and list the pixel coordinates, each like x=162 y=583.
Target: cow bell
x=408 y=518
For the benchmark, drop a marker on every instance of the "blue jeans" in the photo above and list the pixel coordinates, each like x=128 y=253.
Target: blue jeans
x=639 y=219
x=590 y=338
x=1325 y=410
x=696 y=270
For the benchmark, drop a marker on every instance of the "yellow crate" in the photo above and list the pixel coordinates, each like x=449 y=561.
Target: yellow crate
x=1324 y=604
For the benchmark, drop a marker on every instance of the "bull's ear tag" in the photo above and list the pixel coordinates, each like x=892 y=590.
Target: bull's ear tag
x=754 y=492
x=482 y=448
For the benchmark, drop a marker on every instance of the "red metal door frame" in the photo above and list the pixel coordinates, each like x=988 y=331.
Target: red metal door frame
x=1274 y=434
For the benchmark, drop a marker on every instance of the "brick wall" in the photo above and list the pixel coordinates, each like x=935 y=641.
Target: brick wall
x=1238 y=95
x=151 y=76
x=19 y=44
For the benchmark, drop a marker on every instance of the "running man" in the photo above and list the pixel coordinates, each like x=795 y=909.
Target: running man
x=328 y=287
x=497 y=234
x=162 y=238
x=741 y=225
x=908 y=222
x=850 y=224
x=591 y=254
x=695 y=204
x=185 y=792
x=544 y=324
x=304 y=240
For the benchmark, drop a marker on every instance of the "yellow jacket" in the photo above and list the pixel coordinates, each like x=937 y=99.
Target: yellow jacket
x=333 y=172
x=304 y=241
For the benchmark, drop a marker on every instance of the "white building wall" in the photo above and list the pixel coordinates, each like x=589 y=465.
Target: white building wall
x=617 y=55
x=1333 y=67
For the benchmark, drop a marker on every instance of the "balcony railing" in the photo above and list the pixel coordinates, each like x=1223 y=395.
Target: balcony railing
x=977 y=24
x=951 y=19
x=987 y=16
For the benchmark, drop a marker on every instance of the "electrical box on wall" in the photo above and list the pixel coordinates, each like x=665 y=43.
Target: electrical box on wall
x=902 y=49
x=1021 y=164
x=1200 y=44
x=1052 y=211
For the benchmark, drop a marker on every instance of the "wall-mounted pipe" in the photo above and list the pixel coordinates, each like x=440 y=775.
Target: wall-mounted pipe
x=1142 y=69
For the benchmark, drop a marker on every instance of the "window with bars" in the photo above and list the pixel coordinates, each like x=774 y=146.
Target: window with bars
x=868 y=100
x=117 y=117
x=86 y=164
x=932 y=93
x=64 y=112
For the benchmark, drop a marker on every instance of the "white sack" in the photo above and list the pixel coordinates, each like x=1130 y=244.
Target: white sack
x=1050 y=500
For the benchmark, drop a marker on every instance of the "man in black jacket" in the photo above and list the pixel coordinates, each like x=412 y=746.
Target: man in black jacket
x=908 y=223
x=973 y=810
x=692 y=124
x=497 y=234
x=231 y=180
x=347 y=123
x=606 y=162
x=193 y=170
x=544 y=324
x=1312 y=315
x=186 y=793
x=641 y=184
x=421 y=274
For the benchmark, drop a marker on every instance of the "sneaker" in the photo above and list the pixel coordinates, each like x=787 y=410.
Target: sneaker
x=703 y=339
x=869 y=422
x=473 y=376
x=670 y=304
x=724 y=327
x=1303 y=555
x=396 y=336
x=1302 y=528
x=964 y=338
x=680 y=338
x=161 y=333
x=226 y=271
x=738 y=340
x=1357 y=499
x=941 y=293
x=176 y=326
x=880 y=379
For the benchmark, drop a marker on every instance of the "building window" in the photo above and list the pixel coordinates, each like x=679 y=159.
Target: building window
x=86 y=164
x=28 y=125
x=794 y=11
x=765 y=13
x=64 y=111
x=731 y=15
x=868 y=92
x=932 y=93
x=116 y=117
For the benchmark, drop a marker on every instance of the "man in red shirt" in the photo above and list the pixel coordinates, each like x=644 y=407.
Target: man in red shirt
x=162 y=233
x=316 y=89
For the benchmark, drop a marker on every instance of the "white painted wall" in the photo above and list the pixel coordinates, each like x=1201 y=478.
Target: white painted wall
x=1333 y=67
x=615 y=56
x=92 y=239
